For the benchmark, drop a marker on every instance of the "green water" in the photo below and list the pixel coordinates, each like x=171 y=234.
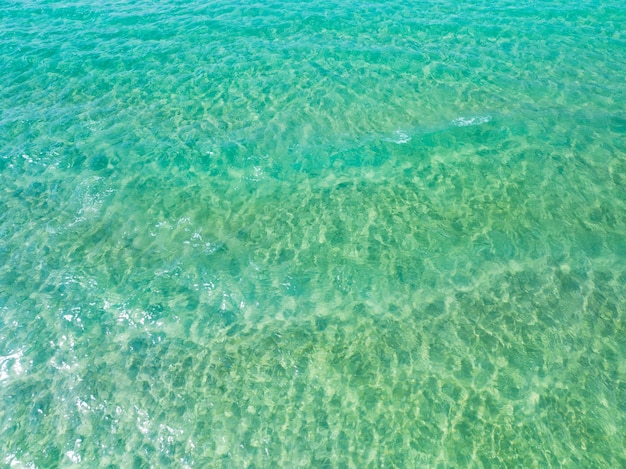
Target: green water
x=312 y=234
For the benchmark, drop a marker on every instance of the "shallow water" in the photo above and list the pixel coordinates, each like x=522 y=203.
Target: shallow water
x=294 y=234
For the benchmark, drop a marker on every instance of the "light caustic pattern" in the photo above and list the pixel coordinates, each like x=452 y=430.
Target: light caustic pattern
x=304 y=235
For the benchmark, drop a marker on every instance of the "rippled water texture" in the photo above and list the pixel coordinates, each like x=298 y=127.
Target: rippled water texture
x=313 y=234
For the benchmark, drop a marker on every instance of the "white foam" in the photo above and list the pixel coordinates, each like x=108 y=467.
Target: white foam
x=10 y=363
x=465 y=121
x=399 y=137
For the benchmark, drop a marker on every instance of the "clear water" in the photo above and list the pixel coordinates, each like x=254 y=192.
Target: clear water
x=312 y=234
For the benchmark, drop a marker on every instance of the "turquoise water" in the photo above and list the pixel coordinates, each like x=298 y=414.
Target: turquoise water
x=312 y=234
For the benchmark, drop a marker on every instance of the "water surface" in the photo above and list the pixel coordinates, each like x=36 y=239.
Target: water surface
x=304 y=234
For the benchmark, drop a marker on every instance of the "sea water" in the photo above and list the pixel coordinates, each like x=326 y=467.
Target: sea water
x=312 y=234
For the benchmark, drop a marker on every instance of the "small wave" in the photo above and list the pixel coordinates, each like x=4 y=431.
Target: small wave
x=465 y=121
x=399 y=137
